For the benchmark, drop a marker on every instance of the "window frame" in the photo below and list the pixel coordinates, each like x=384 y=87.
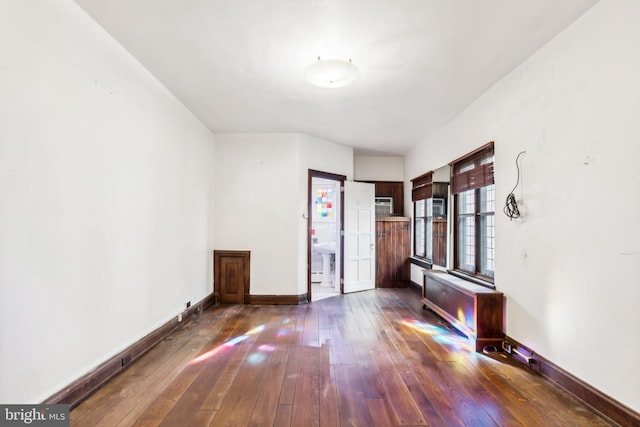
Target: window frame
x=421 y=191
x=422 y=251
x=473 y=173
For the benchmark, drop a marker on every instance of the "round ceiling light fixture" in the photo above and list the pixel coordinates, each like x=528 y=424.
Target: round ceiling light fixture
x=331 y=73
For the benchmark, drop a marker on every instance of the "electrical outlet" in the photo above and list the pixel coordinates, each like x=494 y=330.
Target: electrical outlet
x=188 y=304
x=126 y=359
x=507 y=347
x=179 y=317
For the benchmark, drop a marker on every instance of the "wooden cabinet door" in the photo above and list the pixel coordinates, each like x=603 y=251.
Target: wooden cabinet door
x=439 y=242
x=392 y=252
x=382 y=261
x=231 y=276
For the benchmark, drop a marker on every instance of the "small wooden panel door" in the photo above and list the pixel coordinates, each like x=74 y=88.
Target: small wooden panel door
x=393 y=246
x=231 y=276
x=439 y=242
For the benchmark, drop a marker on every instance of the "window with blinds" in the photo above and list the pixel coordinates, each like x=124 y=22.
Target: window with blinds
x=421 y=190
x=474 y=204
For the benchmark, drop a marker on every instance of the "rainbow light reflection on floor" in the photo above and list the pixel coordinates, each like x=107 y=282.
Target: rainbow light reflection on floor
x=286 y=328
x=227 y=344
x=440 y=335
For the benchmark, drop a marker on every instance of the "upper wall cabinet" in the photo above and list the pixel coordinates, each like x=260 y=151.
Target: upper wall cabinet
x=393 y=189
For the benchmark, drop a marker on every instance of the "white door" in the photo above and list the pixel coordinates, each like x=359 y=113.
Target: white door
x=359 y=236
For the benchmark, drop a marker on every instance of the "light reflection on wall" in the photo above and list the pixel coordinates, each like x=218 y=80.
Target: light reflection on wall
x=440 y=335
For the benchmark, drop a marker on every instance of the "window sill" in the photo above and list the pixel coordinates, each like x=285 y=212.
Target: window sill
x=421 y=262
x=470 y=278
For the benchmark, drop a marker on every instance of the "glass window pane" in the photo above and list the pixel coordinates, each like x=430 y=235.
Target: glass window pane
x=428 y=234
x=475 y=230
x=466 y=202
x=420 y=210
x=487 y=245
x=419 y=237
x=487 y=198
x=466 y=243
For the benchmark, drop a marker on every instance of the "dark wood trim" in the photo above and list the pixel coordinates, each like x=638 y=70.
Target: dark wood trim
x=88 y=384
x=597 y=400
x=393 y=218
x=423 y=176
x=368 y=181
x=475 y=279
x=278 y=299
x=484 y=147
x=421 y=262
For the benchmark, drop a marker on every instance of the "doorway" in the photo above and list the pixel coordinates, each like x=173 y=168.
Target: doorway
x=325 y=243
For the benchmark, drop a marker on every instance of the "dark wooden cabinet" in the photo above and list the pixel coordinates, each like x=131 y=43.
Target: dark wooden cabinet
x=393 y=189
x=393 y=248
x=476 y=311
x=439 y=236
x=231 y=277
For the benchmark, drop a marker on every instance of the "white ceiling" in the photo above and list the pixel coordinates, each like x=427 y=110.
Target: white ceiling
x=239 y=65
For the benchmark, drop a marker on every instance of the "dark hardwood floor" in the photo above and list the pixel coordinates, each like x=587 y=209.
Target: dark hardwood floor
x=373 y=358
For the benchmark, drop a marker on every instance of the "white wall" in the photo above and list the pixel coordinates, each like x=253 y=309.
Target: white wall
x=256 y=206
x=569 y=267
x=261 y=202
x=105 y=222
x=324 y=156
x=379 y=168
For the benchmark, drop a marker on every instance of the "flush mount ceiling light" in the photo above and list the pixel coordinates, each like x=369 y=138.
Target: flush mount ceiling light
x=331 y=73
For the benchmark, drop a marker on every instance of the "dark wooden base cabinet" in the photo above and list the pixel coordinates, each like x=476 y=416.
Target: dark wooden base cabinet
x=231 y=277
x=393 y=248
x=474 y=310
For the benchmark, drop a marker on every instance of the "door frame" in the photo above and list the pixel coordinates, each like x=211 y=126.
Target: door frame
x=312 y=173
